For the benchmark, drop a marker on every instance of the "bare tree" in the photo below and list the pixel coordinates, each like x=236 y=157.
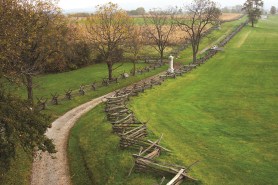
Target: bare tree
x=135 y=44
x=196 y=18
x=108 y=29
x=159 y=25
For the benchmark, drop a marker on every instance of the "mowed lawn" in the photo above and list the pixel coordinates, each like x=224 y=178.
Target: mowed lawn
x=224 y=113
x=44 y=85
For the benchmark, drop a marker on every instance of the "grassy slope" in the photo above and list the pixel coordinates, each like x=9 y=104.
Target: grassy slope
x=94 y=153
x=51 y=83
x=224 y=113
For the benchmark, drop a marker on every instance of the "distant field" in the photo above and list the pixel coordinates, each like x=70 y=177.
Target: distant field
x=140 y=21
x=229 y=16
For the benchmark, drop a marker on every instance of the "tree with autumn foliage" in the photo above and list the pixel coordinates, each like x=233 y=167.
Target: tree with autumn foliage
x=22 y=53
x=108 y=30
x=253 y=8
x=33 y=32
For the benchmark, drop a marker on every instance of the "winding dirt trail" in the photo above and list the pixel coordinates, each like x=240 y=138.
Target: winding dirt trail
x=54 y=169
x=47 y=170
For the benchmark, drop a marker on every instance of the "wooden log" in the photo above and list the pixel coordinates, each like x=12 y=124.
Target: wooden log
x=151 y=164
x=161 y=147
x=68 y=94
x=162 y=180
x=117 y=97
x=151 y=146
x=133 y=130
x=134 y=134
x=176 y=178
x=81 y=90
x=153 y=154
x=116 y=108
x=54 y=99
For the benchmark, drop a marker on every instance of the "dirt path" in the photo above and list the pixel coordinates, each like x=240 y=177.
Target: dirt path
x=47 y=170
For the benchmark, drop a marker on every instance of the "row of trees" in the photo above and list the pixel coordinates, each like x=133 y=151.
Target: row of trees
x=233 y=9
x=37 y=38
x=111 y=29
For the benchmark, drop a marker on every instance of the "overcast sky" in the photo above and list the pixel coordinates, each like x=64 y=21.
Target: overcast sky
x=147 y=4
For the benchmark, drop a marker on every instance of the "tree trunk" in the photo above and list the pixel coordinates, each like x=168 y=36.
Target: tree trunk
x=194 y=52
x=29 y=86
x=194 y=57
x=252 y=23
x=110 y=70
x=134 y=68
x=161 y=56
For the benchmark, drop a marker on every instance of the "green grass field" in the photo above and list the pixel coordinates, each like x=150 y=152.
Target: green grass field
x=58 y=82
x=223 y=114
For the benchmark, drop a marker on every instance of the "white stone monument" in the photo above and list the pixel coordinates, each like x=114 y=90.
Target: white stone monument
x=171 y=64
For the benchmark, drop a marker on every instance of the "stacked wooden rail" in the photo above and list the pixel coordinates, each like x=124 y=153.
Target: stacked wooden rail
x=133 y=132
x=124 y=123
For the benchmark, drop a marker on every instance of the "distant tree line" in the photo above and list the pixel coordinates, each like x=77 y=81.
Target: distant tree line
x=137 y=11
x=232 y=9
x=81 y=14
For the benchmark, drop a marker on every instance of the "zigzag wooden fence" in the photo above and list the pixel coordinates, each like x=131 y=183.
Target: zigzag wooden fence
x=133 y=132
